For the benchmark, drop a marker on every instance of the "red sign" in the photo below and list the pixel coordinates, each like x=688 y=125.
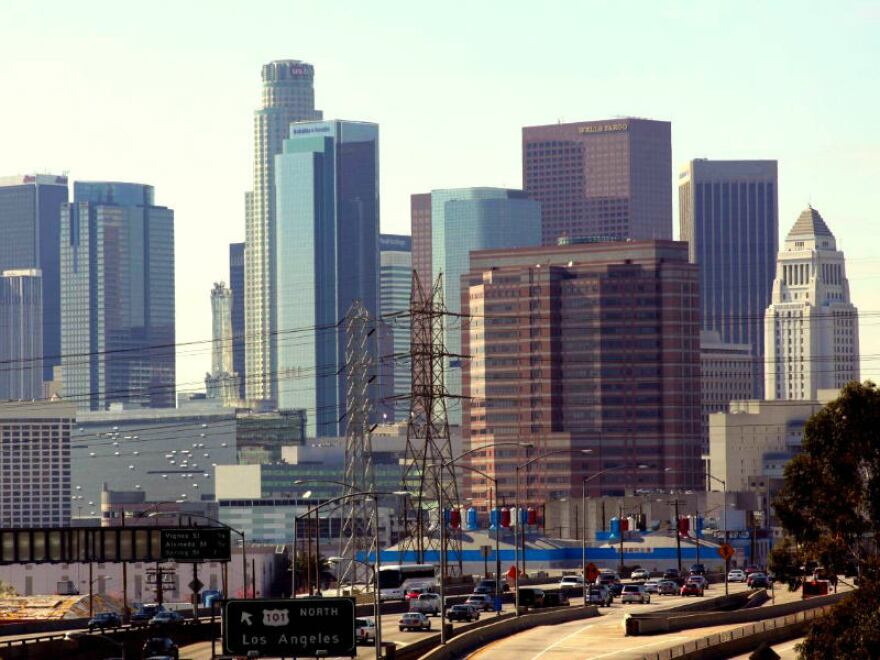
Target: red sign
x=591 y=572
x=726 y=551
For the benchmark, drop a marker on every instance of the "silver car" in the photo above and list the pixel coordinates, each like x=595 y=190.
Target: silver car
x=635 y=593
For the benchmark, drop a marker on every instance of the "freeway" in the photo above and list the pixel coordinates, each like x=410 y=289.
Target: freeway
x=612 y=618
x=603 y=637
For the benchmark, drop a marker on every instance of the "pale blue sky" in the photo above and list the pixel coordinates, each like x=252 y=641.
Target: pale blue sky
x=163 y=93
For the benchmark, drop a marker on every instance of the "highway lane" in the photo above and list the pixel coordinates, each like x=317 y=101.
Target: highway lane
x=602 y=637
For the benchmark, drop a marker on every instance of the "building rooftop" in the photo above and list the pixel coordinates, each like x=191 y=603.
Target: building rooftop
x=810 y=223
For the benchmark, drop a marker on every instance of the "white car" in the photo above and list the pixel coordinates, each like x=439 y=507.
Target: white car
x=640 y=574
x=571 y=581
x=635 y=593
x=652 y=586
x=427 y=604
x=736 y=575
x=365 y=630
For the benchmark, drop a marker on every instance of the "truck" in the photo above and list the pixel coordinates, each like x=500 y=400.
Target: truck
x=427 y=603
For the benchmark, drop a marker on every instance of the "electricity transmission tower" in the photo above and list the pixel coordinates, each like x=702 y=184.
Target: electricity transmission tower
x=427 y=438
x=358 y=531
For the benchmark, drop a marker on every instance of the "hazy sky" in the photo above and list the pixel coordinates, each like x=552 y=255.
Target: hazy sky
x=164 y=93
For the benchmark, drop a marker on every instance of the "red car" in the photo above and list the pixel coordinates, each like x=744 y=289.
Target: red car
x=413 y=594
x=692 y=589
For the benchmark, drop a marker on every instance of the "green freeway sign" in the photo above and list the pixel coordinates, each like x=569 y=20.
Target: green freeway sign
x=290 y=628
x=195 y=544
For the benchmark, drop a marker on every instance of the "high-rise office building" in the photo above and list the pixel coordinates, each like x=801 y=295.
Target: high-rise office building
x=35 y=463
x=726 y=374
x=222 y=382
x=420 y=217
x=288 y=96
x=236 y=283
x=327 y=257
x=811 y=328
x=30 y=210
x=601 y=179
x=117 y=297
x=466 y=219
x=21 y=335
x=395 y=287
x=583 y=347
x=728 y=214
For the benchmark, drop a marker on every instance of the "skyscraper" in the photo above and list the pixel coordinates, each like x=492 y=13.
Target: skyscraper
x=288 y=96
x=30 y=208
x=811 y=328
x=420 y=217
x=327 y=182
x=466 y=219
x=728 y=214
x=222 y=382
x=395 y=287
x=236 y=283
x=583 y=346
x=21 y=335
x=601 y=179
x=117 y=297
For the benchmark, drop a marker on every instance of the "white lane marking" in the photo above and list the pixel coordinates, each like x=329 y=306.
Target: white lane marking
x=634 y=648
x=562 y=639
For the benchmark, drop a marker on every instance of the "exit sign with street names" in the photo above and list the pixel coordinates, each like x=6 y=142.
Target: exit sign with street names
x=290 y=627
x=196 y=544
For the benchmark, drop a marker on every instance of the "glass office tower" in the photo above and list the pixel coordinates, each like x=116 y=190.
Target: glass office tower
x=466 y=219
x=30 y=208
x=236 y=283
x=117 y=297
x=327 y=208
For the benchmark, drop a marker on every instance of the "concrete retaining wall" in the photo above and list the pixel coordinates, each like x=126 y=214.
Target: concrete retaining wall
x=465 y=642
x=648 y=625
x=740 y=641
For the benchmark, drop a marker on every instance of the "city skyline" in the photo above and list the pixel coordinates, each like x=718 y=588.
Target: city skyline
x=822 y=160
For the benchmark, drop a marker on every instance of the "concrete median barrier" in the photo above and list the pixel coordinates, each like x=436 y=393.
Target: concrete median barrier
x=672 y=620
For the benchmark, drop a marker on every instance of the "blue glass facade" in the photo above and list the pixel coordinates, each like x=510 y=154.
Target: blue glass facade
x=117 y=297
x=467 y=219
x=395 y=287
x=729 y=217
x=327 y=211
x=30 y=212
x=236 y=284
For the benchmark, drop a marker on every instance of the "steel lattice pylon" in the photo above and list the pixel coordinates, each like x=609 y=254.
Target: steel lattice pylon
x=358 y=531
x=427 y=439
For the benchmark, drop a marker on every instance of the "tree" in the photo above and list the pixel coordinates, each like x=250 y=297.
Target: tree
x=830 y=506
x=6 y=589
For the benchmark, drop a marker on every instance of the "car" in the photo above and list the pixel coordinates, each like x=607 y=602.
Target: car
x=555 y=599
x=166 y=618
x=758 y=581
x=490 y=585
x=674 y=575
x=600 y=595
x=569 y=581
x=653 y=586
x=481 y=602
x=365 y=630
x=736 y=575
x=668 y=588
x=616 y=588
x=161 y=647
x=531 y=597
x=462 y=613
x=698 y=569
x=607 y=577
x=753 y=569
x=104 y=620
x=145 y=612
x=700 y=579
x=414 y=621
x=427 y=604
x=691 y=588
x=634 y=593
x=414 y=592
x=640 y=575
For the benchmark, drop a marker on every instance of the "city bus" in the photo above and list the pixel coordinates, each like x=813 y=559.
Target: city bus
x=396 y=579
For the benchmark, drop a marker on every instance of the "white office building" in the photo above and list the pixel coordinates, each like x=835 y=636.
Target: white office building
x=811 y=328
